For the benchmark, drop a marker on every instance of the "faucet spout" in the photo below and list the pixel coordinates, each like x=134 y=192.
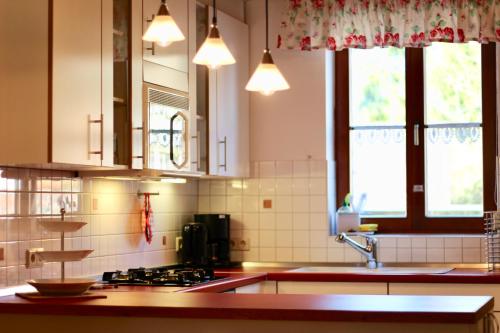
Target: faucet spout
x=369 y=251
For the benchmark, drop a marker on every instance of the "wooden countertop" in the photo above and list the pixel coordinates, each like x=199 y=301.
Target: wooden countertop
x=372 y=308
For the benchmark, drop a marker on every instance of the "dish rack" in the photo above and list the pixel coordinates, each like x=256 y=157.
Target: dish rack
x=492 y=231
x=62 y=286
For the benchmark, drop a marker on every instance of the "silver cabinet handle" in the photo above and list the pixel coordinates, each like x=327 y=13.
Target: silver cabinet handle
x=139 y=129
x=152 y=48
x=198 y=154
x=224 y=142
x=101 y=146
x=416 y=135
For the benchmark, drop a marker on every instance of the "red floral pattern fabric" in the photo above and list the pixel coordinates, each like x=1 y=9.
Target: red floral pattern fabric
x=339 y=24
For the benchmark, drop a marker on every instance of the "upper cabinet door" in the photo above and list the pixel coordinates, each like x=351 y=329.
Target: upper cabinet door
x=77 y=125
x=175 y=55
x=167 y=66
x=232 y=102
x=136 y=87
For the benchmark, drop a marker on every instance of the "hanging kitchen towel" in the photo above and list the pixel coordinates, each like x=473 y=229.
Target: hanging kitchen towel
x=147 y=218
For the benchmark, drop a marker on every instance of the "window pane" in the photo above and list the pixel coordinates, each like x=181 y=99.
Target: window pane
x=378 y=153
x=454 y=172
x=453 y=154
x=453 y=83
x=377 y=86
x=378 y=171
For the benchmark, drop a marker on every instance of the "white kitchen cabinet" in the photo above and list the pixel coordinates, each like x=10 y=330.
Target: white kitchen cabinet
x=263 y=287
x=353 y=288
x=82 y=102
x=168 y=66
x=57 y=106
x=229 y=105
x=443 y=289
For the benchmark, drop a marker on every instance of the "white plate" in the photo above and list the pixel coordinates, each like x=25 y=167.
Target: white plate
x=59 y=256
x=62 y=226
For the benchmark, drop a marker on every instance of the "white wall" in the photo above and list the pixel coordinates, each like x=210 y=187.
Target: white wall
x=235 y=8
x=289 y=125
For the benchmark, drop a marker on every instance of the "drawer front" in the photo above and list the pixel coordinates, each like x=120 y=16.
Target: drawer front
x=444 y=289
x=355 y=288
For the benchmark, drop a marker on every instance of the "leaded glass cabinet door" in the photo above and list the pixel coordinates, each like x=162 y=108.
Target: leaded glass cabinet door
x=167 y=115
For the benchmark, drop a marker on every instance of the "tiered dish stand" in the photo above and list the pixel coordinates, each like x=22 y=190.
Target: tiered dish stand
x=63 y=286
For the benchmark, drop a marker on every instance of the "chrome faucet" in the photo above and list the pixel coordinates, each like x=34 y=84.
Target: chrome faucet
x=369 y=251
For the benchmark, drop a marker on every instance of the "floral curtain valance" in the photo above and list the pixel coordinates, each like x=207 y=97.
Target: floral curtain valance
x=339 y=24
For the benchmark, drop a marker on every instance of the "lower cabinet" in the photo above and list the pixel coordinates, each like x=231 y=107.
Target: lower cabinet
x=442 y=289
x=353 y=288
x=452 y=289
x=264 y=287
x=314 y=288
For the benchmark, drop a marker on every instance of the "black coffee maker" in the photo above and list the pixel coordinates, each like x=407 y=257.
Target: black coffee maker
x=194 y=245
x=206 y=242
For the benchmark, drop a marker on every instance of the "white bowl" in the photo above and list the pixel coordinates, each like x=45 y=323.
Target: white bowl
x=58 y=287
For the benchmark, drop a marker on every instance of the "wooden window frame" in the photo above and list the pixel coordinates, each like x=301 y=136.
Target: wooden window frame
x=416 y=222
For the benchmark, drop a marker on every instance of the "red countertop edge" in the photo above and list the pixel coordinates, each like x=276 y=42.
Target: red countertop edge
x=387 y=278
x=230 y=281
x=259 y=307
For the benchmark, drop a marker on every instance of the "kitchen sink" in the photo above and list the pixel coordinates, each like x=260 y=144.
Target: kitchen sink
x=365 y=270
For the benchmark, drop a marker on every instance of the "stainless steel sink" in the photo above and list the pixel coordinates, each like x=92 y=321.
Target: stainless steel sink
x=365 y=270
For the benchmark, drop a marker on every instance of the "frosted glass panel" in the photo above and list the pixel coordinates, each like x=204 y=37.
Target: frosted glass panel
x=378 y=171
x=454 y=172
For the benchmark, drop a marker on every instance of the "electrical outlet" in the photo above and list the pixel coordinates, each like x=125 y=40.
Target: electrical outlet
x=244 y=244
x=233 y=243
x=178 y=244
x=240 y=244
x=33 y=260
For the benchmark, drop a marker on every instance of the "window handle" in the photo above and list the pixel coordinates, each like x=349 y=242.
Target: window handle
x=416 y=137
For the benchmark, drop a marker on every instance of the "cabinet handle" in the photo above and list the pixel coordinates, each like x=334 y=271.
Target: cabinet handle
x=416 y=137
x=152 y=48
x=224 y=142
x=139 y=129
x=198 y=155
x=91 y=122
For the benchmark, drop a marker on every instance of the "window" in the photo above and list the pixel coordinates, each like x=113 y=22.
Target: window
x=415 y=139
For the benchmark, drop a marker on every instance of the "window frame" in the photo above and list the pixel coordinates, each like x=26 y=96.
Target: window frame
x=416 y=222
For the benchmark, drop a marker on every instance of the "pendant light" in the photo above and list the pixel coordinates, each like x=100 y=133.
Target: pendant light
x=163 y=30
x=267 y=78
x=214 y=52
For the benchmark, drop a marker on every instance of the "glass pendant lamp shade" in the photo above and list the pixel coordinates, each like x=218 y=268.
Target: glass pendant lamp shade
x=267 y=78
x=163 y=30
x=214 y=52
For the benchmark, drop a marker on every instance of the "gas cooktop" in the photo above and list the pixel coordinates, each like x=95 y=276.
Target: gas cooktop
x=167 y=276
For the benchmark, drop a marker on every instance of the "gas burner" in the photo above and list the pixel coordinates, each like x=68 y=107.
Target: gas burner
x=160 y=276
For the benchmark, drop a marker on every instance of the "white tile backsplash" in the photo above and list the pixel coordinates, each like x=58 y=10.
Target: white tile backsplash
x=296 y=228
x=111 y=209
